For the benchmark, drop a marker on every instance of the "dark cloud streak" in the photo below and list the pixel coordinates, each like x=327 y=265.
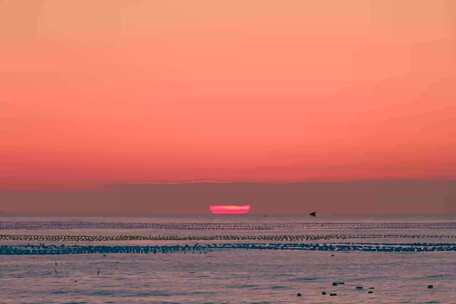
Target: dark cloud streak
x=332 y=198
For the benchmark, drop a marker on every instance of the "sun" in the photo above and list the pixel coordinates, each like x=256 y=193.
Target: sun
x=229 y=209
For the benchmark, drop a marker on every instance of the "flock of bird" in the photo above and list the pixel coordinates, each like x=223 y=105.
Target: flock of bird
x=218 y=237
x=43 y=249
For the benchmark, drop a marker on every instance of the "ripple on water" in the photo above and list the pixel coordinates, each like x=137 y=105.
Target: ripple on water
x=304 y=279
x=241 y=286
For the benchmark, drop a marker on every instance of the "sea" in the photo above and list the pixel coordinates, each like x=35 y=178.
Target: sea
x=228 y=259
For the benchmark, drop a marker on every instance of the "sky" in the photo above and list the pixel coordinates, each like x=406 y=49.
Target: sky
x=95 y=93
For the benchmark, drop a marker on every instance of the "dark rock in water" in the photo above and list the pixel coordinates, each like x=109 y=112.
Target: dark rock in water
x=359 y=287
x=323 y=293
x=298 y=294
x=333 y=294
x=430 y=286
x=370 y=291
x=338 y=283
x=371 y=287
x=313 y=213
x=333 y=255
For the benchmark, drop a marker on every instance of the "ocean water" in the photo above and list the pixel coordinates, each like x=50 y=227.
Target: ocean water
x=228 y=259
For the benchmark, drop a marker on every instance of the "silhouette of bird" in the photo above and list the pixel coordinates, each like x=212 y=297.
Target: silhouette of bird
x=313 y=213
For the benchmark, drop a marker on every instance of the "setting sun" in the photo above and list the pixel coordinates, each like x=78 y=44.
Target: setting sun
x=229 y=209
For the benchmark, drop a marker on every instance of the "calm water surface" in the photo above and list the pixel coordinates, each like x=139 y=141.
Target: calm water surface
x=396 y=257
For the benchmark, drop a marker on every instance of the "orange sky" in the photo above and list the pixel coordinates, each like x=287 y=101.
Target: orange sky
x=96 y=92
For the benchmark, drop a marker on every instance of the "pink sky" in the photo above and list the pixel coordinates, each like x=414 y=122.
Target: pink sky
x=97 y=92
